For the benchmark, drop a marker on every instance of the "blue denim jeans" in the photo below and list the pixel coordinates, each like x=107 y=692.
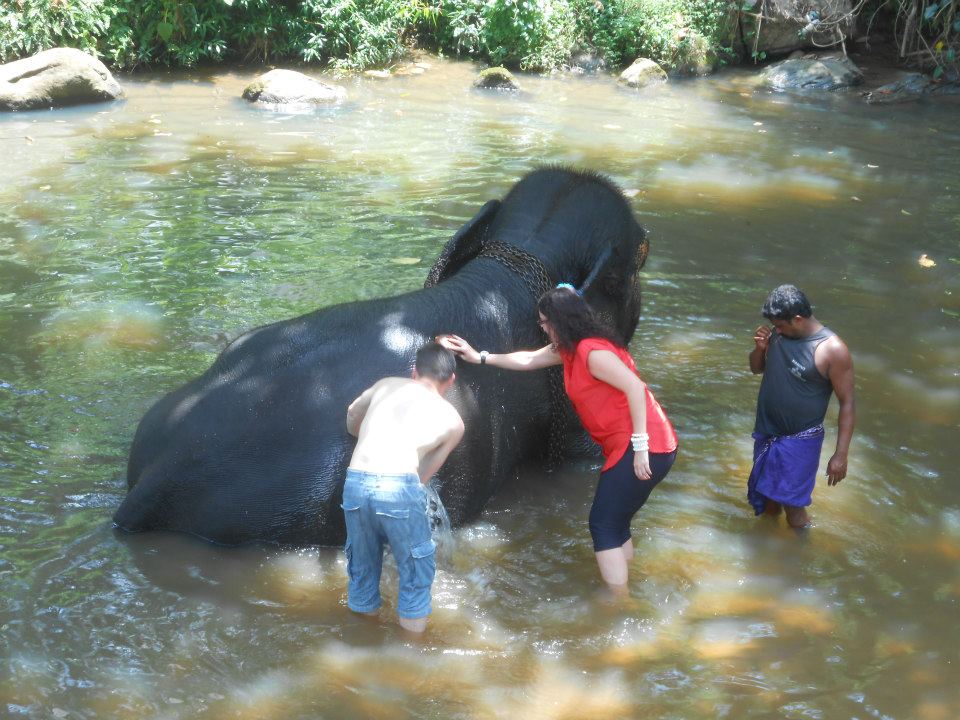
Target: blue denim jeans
x=390 y=509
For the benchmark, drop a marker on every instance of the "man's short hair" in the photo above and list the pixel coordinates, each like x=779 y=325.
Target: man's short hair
x=436 y=362
x=785 y=303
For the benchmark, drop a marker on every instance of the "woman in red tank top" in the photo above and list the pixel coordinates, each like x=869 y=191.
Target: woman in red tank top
x=615 y=406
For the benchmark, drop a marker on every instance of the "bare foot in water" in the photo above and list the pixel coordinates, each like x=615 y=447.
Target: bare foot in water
x=772 y=508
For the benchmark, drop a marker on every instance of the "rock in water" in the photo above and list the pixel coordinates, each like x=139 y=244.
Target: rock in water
x=642 y=73
x=287 y=87
x=828 y=73
x=496 y=78
x=56 y=78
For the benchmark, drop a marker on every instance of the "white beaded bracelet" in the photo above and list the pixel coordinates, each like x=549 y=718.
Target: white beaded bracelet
x=640 y=442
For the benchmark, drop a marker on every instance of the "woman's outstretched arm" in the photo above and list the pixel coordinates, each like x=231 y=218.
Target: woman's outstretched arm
x=546 y=356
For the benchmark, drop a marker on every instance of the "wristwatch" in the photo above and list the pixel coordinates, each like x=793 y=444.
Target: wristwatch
x=483 y=357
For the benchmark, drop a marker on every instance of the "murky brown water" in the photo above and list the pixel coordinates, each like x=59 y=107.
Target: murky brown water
x=136 y=238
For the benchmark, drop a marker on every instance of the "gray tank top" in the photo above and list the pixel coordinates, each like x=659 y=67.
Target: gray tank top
x=793 y=394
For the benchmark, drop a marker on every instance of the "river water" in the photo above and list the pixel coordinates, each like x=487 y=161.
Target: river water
x=137 y=238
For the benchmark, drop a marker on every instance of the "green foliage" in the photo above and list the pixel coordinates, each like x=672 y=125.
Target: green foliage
x=30 y=26
x=359 y=33
x=940 y=31
x=624 y=30
x=529 y=34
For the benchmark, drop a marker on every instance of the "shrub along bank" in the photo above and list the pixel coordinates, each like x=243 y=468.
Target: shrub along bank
x=528 y=34
x=354 y=34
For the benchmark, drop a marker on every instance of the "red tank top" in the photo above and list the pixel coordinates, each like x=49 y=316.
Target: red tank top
x=604 y=410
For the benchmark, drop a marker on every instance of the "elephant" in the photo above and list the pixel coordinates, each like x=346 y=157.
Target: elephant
x=256 y=448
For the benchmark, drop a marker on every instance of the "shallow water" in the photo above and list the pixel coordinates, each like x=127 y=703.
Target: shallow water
x=137 y=238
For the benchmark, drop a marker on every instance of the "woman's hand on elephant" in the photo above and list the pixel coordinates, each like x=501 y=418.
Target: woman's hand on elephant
x=460 y=347
x=641 y=465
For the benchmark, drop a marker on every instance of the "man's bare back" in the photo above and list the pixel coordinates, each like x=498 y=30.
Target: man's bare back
x=403 y=426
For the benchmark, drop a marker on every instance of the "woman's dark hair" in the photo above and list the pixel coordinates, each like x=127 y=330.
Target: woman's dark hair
x=572 y=319
x=785 y=303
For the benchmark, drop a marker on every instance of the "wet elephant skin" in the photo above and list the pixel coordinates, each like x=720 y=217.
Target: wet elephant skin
x=255 y=449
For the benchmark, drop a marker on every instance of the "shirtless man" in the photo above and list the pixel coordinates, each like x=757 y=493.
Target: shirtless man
x=405 y=430
x=803 y=363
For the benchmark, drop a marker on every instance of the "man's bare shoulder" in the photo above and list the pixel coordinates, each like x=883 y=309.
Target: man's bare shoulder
x=451 y=411
x=390 y=382
x=834 y=348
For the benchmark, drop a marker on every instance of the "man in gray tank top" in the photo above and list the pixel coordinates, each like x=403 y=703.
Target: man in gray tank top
x=802 y=363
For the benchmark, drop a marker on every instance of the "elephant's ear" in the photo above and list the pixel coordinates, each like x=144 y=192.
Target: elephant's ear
x=464 y=246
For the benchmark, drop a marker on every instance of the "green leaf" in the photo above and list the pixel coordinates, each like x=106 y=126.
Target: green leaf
x=931 y=10
x=951 y=55
x=938 y=72
x=164 y=31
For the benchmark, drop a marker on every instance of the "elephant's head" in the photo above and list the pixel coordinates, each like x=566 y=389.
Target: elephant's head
x=578 y=226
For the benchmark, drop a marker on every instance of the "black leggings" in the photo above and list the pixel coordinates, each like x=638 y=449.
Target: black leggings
x=620 y=493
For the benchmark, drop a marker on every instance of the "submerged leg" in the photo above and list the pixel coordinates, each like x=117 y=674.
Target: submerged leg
x=414 y=625
x=613 y=568
x=797 y=517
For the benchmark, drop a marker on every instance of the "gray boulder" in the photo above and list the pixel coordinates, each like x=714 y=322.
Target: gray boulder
x=56 y=78
x=789 y=25
x=587 y=62
x=496 y=78
x=642 y=73
x=912 y=87
x=828 y=73
x=289 y=88
x=905 y=89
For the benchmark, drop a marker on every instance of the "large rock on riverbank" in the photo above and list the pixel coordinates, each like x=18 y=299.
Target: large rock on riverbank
x=774 y=28
x=826 y=73
x=56 y=78
x=288 y=88
x=642 y=73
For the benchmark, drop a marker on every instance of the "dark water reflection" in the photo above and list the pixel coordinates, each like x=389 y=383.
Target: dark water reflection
x=137 y=238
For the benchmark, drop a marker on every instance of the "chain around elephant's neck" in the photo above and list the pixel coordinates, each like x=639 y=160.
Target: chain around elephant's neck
x=535 y=277
x=528 y=267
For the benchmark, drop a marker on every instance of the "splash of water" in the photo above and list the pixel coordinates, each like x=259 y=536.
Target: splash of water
x=439 y=523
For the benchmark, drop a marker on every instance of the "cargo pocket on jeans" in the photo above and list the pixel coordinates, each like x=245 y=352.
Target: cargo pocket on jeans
x=350 y=513
x=424 y=562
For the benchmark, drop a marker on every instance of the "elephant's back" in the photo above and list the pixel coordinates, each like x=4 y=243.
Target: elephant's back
x=269 y=417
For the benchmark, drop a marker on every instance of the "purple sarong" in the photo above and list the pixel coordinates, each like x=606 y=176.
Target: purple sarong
x=784 y=468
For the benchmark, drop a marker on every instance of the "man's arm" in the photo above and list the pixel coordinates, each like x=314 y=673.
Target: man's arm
x=358 y=410
x=433 y=460
x=840 y=373
x=758 y=356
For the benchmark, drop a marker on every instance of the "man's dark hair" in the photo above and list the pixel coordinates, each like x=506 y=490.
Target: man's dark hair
x=435 y=362
x=785 y=303
x=572 y=319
